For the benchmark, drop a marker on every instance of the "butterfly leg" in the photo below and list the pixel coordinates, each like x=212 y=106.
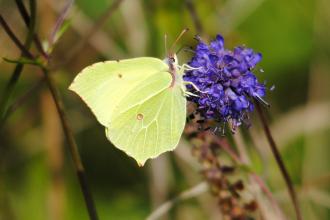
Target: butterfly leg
x=187 y=67
x=193 y=85
x=187 y=93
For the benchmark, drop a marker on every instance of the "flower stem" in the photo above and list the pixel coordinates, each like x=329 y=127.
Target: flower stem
x=73 y=148
x=279 y=161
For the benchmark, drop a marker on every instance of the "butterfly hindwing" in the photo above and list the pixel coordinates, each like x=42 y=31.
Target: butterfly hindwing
x=148 y=127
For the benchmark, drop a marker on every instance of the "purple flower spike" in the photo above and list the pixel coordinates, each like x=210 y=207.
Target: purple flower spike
x=226 y=81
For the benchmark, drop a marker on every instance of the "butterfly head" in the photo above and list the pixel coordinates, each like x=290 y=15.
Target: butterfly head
x=171 y=58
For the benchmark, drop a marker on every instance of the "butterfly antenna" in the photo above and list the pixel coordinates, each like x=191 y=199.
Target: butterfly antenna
x=165 y=43
x=178 y=38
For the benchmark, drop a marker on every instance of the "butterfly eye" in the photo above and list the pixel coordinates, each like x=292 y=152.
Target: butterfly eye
x=172 y=59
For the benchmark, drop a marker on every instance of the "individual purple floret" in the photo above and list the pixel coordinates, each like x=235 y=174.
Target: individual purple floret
x=225 y=81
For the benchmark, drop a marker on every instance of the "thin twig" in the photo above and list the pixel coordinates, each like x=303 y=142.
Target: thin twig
x=279 y=161
x=8 y=91
x=73 y=148
x=66 y=129
x=21 y=100
x=19 y=67
x=193 y=13
x=187 y=194
x=12 y=36
x=26 y=19
x=59 y=22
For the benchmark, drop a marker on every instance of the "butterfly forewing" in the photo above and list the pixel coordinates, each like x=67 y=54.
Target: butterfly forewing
x=103 y=85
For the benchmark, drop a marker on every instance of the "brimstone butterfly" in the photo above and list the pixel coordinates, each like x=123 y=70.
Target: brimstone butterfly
x=140 y=101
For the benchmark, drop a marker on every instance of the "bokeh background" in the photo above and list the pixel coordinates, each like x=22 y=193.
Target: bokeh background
x=37 y=179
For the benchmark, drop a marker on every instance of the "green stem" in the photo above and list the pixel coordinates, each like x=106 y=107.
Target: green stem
x=19 y=67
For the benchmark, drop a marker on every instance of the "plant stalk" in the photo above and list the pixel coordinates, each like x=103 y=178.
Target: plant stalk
x=80 y=171
x=26 y=18
x=279 y=161
x=19 y=67
x=66 y=129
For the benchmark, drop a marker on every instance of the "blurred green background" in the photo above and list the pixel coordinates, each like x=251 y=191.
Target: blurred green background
x=37 y=179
